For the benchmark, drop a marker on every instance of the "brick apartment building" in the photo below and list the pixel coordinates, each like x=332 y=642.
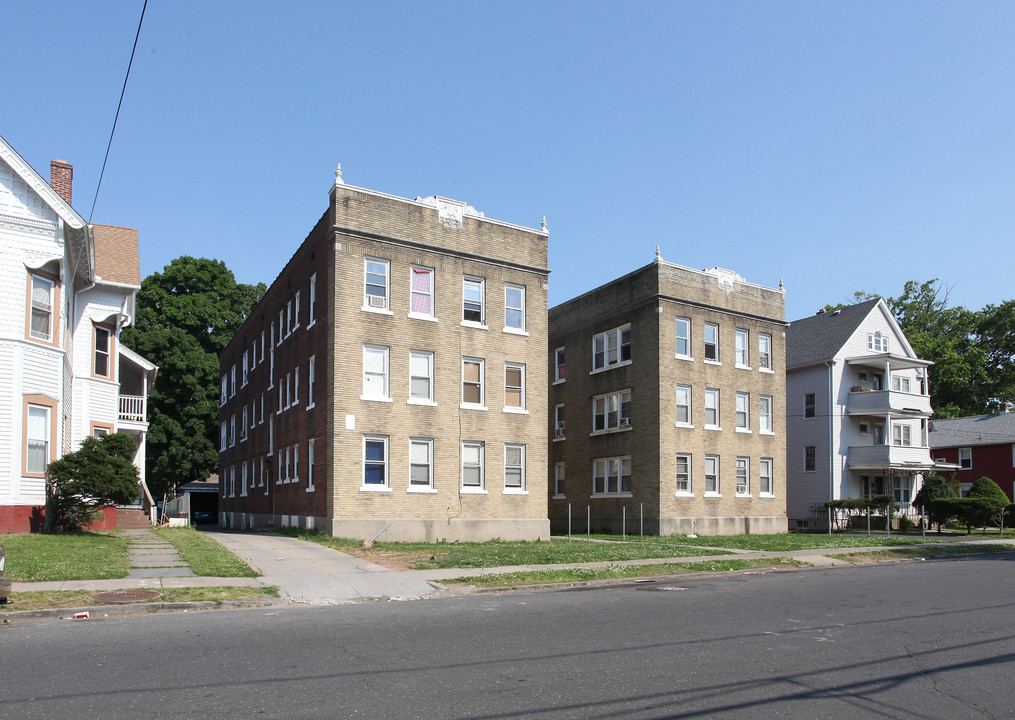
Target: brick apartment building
x=666 y=392
x=393 y=373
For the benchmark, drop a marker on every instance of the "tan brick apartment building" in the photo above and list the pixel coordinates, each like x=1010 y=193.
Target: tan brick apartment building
x=394 y=372
x=665 y=395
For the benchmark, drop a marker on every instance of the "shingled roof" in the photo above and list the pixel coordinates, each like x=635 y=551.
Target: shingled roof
x=818 y=337
x=116 y=254
x=996 y=429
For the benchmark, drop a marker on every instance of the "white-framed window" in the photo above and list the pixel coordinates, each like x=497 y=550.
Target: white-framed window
x=684 y=406
x=514 y=307
x=281 y=398
x=311 y=302
x=473 y=453
x=877 y=342
x=253 y=364
x=223 y=436
x=243 y=424
x=765 y=478
x=232 y=381
x=262 y=346
x=375 y=372
x=683 y=335
x=611 y=411
x=102 y=365
x=420 y=464
x=296 y=310
x=375 y=462
x=311 y=377
x=281 y=330
x=473 y=300
x=296 y=386
x=311 y=459
x=712 y=408
x=611 y=348
x=38 y=438
x=765 y=352
x=765 y=415
x=514 y=386
x=712 y=486
x=966 y=458
x=224 y=394
x=40 y=310
x=232 y=430
x=243 y=479
x=611 y=475
x=711 y=342
x=684 y=474
x=558 y=480
x=559 y=367
x=901 y=383
x=232 y=481
x=809 y=405
x=421 y=366
x=376 y=278
x=271 y=359
x=743 y=404
x=514 y=468
x=289 y=318
x=902 y=435
x=271 y=434
x=743 y=476
x=244 y=369
x=421 y=292
x=295 y=477
x=741 y=344
x=558 y=422
x=810 y=458
x=473 y=374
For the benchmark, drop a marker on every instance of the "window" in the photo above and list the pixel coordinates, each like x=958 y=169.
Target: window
x=743 y=402
x=311 y=304
x=514 y=468
x=232 y=430
x=712 y=475
x=224 y=394
x=810 y=458
x=966 y=458
x=375 y=284
x=296 y=310
x=611 y=348
x=558 y=365
x=101 y=365
x=558 y=422
x=243 y=479
x=514 y=307
x=808 y=405
x=289 y=318
x=865 y=429
x=421 y=292
x=683 y=473
x=40 y=322
x=232 y=381
x=742 y=357
x=472 y=466
x=281 y=331
x=711 y=342
x=253 y=413
x=612 y=411
x=296 y=386
x=243 y=424
x=877 y=342
x=223 y=436
x=420 y=376
x=743 y=476
x=558 y=480
x=375 y=461
x=420 y=464
x=245 y=368
x=765 y=414
x=611 y=476
x=472 y=382
x=262 y=346
x=712 y=408
x=684 y=337
x=901 y=384
x=310 y=464
x=375 y=372
x=39 y=431
x=684 y=405
x=764 y=351
x=514 y=386
x=473 y=300
x=311 y=375
x=901 y=435
x=767 y=488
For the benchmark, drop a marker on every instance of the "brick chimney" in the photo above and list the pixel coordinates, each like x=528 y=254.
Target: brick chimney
x=61 y=177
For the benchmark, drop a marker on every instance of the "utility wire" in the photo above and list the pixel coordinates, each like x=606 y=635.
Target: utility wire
x=117 y=117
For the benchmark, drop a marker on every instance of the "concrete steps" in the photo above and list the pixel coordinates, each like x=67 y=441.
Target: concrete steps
x=131 y=519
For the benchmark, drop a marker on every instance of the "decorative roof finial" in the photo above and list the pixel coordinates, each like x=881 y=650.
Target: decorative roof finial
x=659 y=255
x=338 y=175
x=543 y=225
x=782 y=286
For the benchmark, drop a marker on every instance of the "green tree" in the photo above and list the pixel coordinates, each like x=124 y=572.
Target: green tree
x=98 y=474
x=994 y=501
x=185 y=317
x=934 y=486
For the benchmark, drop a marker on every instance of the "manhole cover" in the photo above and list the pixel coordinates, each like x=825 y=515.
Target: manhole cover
x=122 y=597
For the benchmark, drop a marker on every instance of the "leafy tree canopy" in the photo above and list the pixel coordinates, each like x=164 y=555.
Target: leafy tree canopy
x=186 y=315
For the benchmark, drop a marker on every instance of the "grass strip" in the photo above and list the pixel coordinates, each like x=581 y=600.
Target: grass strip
x=55 y=599
x=206 y=557
x=913 y=553
x=788 y=542
x=36 y=557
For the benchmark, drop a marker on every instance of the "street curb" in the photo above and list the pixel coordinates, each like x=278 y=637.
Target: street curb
x=99 y=612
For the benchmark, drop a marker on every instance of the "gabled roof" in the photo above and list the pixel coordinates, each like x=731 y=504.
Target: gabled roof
x=996 y=429
x=819 y=337
x=116 y=254
x=39 y=185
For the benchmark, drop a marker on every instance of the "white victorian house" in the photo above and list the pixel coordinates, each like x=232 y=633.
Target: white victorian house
x=857 y=411
x=67 y=289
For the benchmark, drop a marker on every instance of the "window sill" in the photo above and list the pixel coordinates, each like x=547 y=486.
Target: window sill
x=474 y=491
x=559 y=382
x=745 y=431
x=713 y=495
x=743 y=367
x=610 y=367
x=766 y=495
x=515 y=331
x=427 y=403
x=311 y=406
x=613 y=495
x=688 y=358
x=471 y=406
x=611 y=431
x=559 y=497
x=376 y=311
x=473 y=324
x=713 y=362
x=743 y=495
x=310 y=488
x=309 y=325
x=419 y=316
x=683 y=494
x=689 y=426
x=374 y=488
x=559 y=439
x=514 y=491
x=766 y=432
x=421 y=490
x=713 y=427
x=516 y=411
x=767 y=370
x=372 y=398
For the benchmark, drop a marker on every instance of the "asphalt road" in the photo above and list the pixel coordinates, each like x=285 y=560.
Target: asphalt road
x=923 y=640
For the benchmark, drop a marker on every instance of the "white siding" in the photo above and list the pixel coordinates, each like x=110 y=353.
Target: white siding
x=804 y=489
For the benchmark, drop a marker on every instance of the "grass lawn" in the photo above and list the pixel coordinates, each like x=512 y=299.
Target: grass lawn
x=793 y=541
x=913 y=553
x=206 y=557
x=83 y=598
x=79 y=556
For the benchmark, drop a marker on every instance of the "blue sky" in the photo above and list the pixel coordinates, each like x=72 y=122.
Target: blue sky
x=838 y=146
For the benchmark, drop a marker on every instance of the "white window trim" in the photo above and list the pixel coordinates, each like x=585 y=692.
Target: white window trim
x=311 y=376
x=690 y=406
x=524 y=489
x=619 y=332
x=513 y=330
x=969 y=452
x=815 y=448
x=747 y=477
x=746 y=349
x=557 y=379
x=386 y=397
x=513 y=408
x=481 y=405
x=620 y=469
x=770 y=415
x=718 y=406
x=718 y=478
x=311 y=460
x=559 y=479
x=762 y=368
x=473 y=489
x=311 y=303
x=481 y=323
x=718 y=355
x=560 y=426
x=621 y=426
x=430 y=359
x=386 y=486
x=676 y=336
x=746 y=397
x=429 y=487
x=689 y=492
x=771 y=477
x=432 y=317
x=386 y=310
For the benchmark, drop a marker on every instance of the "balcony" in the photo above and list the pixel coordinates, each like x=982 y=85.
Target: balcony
x=133 y=408
x=887 y=402
x=883 y=457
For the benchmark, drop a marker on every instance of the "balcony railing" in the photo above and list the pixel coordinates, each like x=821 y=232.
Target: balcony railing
x=132 y=408
x=884 y=402
x=886 y=456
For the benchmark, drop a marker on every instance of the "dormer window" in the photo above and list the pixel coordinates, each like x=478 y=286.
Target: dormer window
x=877 y=342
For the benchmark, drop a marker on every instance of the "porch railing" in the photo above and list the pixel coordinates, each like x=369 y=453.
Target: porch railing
x=132 y=407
